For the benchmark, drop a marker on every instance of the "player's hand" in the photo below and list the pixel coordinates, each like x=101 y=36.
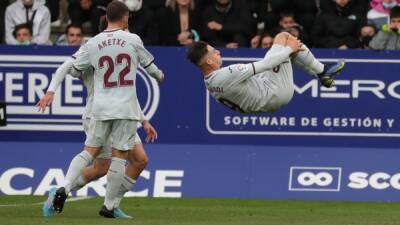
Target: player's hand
x=162 y=78
x=186 y=42
x=343 y=47
x=150 y=131
x=214 y=25
x=295 y=44
x=232 y=45
x=183 y=36
x=45 y=101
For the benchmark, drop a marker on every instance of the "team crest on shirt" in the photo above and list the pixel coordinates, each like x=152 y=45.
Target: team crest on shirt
x=241 y=67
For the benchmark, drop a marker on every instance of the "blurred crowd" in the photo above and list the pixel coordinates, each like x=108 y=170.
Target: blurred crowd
x=341 y=24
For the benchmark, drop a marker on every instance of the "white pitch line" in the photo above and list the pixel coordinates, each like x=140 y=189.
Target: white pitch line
x=40 y=203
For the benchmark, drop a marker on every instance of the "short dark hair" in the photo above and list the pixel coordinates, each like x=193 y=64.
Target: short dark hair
x=266 y=34
x=286 y=14
x=116 y=10
x=395 y=12
x=197 y=51
x=74 y=26
x=22 y=26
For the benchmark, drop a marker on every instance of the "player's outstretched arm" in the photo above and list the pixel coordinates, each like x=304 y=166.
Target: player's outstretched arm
x=55 y=82
x=276 y=56
x=284 y=45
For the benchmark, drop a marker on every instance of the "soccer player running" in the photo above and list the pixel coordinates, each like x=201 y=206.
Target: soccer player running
x=265 y=85
x=114 y=55
x=137 y=156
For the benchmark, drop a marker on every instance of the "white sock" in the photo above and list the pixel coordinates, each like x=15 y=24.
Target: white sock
x=306 y=60
x=127 y=185
x=78 y=163
x=78 y=183
x=115 y=177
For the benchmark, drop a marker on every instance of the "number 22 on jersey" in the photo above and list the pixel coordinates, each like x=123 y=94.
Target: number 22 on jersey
x=121 y=82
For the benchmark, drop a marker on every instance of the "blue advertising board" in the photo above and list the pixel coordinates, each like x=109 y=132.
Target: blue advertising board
x=222 y=171
x=359 y=112
x=338 y=143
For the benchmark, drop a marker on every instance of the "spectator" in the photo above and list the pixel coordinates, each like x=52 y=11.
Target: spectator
x=287 y=23
x=142 y=22
x=81 y=11
x=360 y=7
x=295 y=31
x=73 y=36
x=269 y=12
x=33 y=12
x=379 y=13
x=54 y=8
x=154 y=5
x=388 y=38
x=23 y=34
x=227 y=23
x=201 y=5
x=266 y=41
x=366 y=35
x=180 y=23
x=3 y=6
x=339 y=27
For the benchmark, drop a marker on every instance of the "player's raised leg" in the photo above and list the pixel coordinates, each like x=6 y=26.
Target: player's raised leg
x=280 y=78
x=325 y=72
x=98 y=169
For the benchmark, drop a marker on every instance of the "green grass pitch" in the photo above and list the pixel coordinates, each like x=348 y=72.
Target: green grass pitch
x=152 y=211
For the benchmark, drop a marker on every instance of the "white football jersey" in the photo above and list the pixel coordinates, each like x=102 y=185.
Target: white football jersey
x=114 y=57
x=239 y=88
x=88 y=79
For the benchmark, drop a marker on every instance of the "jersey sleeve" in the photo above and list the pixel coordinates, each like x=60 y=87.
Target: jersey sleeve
x=145 y=57
x=60 y=74
x=237 y=73
x=81 y=61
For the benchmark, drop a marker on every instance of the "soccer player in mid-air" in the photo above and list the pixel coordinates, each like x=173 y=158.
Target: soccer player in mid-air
x=114 y=54
x=265 y=85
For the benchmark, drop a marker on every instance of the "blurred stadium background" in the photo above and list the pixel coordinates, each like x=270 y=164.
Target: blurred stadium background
x=338 y=147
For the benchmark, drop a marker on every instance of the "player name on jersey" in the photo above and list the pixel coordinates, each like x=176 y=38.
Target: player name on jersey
x=111 y=42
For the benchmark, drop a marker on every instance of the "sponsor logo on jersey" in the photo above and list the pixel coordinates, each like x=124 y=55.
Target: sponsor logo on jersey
x=241 y=67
